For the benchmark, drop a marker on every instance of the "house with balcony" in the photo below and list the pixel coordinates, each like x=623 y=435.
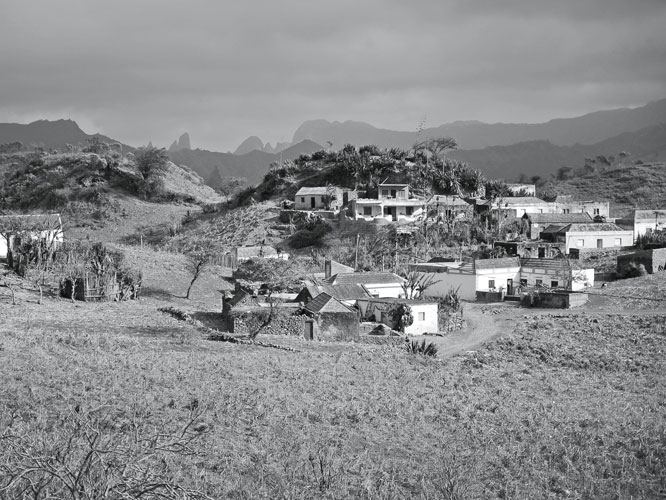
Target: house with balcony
x=588 y=236
x=394 y=203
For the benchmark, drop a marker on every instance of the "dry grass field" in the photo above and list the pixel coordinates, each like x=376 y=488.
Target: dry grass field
x=119 y=400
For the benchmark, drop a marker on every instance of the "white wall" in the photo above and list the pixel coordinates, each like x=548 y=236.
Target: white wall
x=610 y=239
x=430 y=323
x=385 y=291
x=581 y=279
x=483 y=276
x=443 y=282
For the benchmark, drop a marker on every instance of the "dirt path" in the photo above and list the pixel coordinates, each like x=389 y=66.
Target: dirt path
x=484 y=323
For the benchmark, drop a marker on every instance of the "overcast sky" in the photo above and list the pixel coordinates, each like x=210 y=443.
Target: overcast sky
x=150 y=70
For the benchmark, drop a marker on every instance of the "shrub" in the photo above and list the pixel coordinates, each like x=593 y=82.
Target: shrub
x=423 y=348
x=401 y=316
x=309 y=237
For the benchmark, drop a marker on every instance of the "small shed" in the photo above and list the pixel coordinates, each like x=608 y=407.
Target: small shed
x=425 y=313
x=330 y=319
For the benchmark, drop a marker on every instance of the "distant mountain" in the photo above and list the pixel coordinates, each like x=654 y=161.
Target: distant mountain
x=250 y=144
x=543 y=158
x=182 y=143
x=49 y=134
x=587 y=129
x=253 y=165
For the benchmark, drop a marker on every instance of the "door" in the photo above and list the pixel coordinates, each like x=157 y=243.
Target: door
x=313 y=203
x=542 y=252
x=308 y=332
x=509 y=287
x=600 y=243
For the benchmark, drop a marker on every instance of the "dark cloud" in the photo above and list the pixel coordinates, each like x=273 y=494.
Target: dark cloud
x=149 y=71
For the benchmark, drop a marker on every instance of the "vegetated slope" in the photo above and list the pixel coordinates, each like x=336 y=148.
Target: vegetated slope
x=587 y=129
x=214 y=166
x=98 y=193
x=626 y=185
x=543 y=158
x=564 y=406
x=49 y=134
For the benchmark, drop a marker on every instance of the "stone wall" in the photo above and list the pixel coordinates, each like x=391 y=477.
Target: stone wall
x=651 y=259
x=244 y=322
x=558 y=300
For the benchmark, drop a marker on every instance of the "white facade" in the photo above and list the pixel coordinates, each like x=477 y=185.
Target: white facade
x=494 y=280
x=426 y=317
x=318 y=198
x=446 y=276
x=598 y=239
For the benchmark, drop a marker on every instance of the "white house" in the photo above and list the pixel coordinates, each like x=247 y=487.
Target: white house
x=521 y=205
x=648 y=220
x=587 y=236
x=318 y=198
x=445 y=276
x=425 y=313
x=394 y=203
x=497 y=274
x=378 y=285
x=565 y=204
x=47 y=227
x=554 y=273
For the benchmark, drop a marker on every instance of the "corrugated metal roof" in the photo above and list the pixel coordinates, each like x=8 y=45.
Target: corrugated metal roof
x=363 y=279
x=497 y=263
x=304 y=191
x=522 y=200
x=548 y=264
x=649 y=215
x=580 y=217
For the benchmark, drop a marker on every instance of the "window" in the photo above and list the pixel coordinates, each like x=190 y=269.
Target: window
x=385 y=193
x=618 y=242
x=600 y=243
x=421 y=316
x=410 y=210
x=580 y=243
x=367 y=210
x=401 y=194
x=392 y=193
x=491 y=283
x=523 y=282
x=302 y=199
x=565 y=210
x=539 y=282
x=596 y=211
x=554 y=284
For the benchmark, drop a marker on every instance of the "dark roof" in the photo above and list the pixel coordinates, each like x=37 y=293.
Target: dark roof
x=548 y=264
x=392 y=300
x=553 y=229
x=521 y=200
x=363 y=279
x=346 y=292
x=581 y=217
x=497 y=263
x=325 y=303
x=604 y=226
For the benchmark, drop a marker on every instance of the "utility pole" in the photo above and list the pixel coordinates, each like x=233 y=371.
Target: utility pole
x=358 y=238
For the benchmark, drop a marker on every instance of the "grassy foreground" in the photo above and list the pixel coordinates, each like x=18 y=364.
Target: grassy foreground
x=120 y=401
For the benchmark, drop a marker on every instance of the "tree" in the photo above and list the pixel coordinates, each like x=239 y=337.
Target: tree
x=401 y=316
x=416 y=283
x=151 y=163
x=199 y=257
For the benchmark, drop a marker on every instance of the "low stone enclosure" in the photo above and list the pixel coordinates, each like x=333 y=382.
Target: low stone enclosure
x=554 y=300
x=654 y=260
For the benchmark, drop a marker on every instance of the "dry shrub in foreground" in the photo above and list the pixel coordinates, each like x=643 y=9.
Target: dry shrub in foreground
x=96 y=457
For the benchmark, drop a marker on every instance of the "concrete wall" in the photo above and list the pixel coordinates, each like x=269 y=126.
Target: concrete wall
x=500 y=276
x=557 y=300
x=336 y=326
x=446 y=281
x=426 y=318
x=385 y=291
x=591 y=207
x=651 y=259
x=610 y=239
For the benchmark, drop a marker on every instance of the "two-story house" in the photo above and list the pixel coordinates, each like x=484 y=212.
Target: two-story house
x=394 y=203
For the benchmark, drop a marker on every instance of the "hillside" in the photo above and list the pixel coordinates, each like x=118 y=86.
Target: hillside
x=50 y=134
x=99 y=192
x=587 y=129
x=626 y=185
x=214 y=166
x=543 y=158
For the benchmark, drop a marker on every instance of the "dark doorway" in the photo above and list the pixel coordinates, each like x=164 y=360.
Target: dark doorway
x=542 y=252
x=308 y=332
x=313 y=203
x=509 y=287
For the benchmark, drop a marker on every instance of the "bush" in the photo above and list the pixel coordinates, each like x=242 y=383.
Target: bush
x=633 y=270
x=309 y=237
x=423 y=348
